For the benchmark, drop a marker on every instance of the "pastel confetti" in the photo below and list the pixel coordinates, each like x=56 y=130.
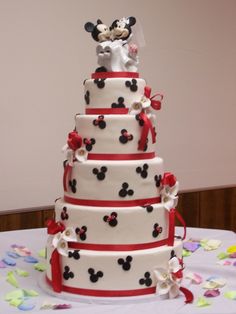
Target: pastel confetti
x=16 y=302
x=21 y=272
x=232 y=255
x=21 y=250
x=13 y=254
x=230 y=295
x=212 y=293
x=210 y=245
x=61 y=306
x=234 y=264
x=9 y=261
x=30 y=293
x=42 y=253
x=222 y=255
x=26 y=306
x=186 y=253
x=30 y=259
x=224 y=263
x=231 y=249
x=214 y=282
x=191 y=246
x=15 y=294
x=195 y=278
x=40 y=266
x=202 y=302
x=11 y=279
x=2 y=264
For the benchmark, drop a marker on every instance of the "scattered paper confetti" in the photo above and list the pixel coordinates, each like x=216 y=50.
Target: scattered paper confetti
x=231 y=249
x=2 y=264
x=214 y=282
x=15 y=294
x=16 y=302
x=224 y=263
x=11 y=279
x=234 y=264
x=211 y=244
x=186 y=253
x=30 y=259
x=230 y=294
x=26 y=306
x=222 y=255
x=42 y=253
x=195 y=278
x=191 y=246
x=212 y=293
x=40 y=266
x=21 y=250
x=13 y=254
x=232 y=255
x=21 y=272
x=61 y=306
x=201 y=302
x=9 y=261
x=30 y=293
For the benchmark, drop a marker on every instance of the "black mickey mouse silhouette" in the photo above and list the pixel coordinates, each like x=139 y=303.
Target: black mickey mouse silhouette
x=94 y=276
x=89 y=143
x=75 y=254
x=157 y=179
x=100 y=32
x=112 y=219
x=64 y=214
x=143 y=171
x=100 y=82
x=81 y=232
x=87 y=97
x=72 y=185
x=100 y=174
x=132 y=85
x=125 y=136
x=67 y=273
x=100 y=122
x=121 y=29
x=157 y=230
x=119 y=104
x=124 y=191
x=149 y=208
x=139 y=119
x=147 y=280
x=126 y=264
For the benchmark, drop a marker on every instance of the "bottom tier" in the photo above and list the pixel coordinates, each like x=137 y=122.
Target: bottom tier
x=111 y=273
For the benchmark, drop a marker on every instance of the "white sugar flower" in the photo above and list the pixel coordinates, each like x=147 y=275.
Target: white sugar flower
x=166 y=284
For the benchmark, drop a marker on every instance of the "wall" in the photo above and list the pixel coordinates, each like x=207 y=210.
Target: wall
x=45 y=55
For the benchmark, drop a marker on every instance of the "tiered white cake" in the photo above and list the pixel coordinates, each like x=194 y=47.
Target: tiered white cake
x=113 y=233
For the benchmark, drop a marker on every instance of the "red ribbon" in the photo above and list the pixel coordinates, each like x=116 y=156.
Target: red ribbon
x=188 y=295
x=181 y=220
x=67 y=174
x=56 y=271
x=54 y=227
x=147 y=126
x=107 y=111
x=116 y=247
x=107 y=293
x=137 y=156
x=111 y=203
x=155 y=104
x=171 y=227
x=98 y=75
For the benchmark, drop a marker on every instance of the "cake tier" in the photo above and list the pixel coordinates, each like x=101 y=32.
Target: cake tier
x=112 y=273
x=115 y=227
x=116 y=92
x=113 y=183
x=114 y=134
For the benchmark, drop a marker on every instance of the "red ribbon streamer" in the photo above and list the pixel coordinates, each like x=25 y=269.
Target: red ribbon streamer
x=107 y=293
x=67 y=173
x=121 y=156
x=171 y=227
x=181 y=220
x=98 y=75
x=107 y=110
x=155 y=104
x=147 y=126
x=188 y=295
x=56 y=271
x=109 y=203
x=117 y=247
x=54 y=227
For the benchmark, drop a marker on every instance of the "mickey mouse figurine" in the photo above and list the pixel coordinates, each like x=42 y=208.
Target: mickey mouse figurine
x=121 y=29
x=100 y=32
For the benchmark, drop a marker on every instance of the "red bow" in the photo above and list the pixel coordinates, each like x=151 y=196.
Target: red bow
x=155 y=104
x=54 y=227
x=168 y=179
x=147 y=125
x=74 y=140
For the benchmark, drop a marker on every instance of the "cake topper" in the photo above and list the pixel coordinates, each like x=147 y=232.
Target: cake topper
x=115 y=52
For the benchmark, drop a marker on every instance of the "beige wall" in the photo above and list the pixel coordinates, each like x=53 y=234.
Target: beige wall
x=45 y=55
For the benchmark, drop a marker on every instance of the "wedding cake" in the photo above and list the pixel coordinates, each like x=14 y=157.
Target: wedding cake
x=114 y=229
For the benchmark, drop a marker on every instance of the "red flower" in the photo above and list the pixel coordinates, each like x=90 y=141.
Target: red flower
x=74 y=140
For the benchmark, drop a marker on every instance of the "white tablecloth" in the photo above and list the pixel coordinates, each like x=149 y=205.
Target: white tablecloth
x=200 y=262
